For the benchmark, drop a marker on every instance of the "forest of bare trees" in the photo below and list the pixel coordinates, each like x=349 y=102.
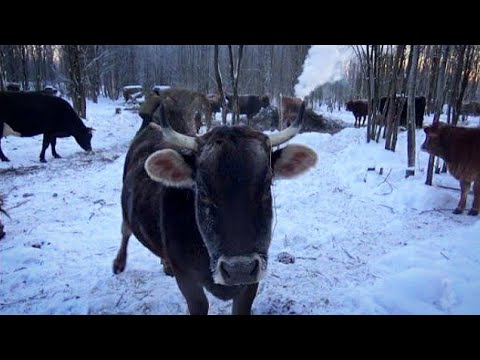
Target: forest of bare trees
x=105 y=69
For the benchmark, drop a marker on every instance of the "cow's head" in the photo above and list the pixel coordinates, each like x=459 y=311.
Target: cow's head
x=231 y=171
x=433 y=143
x=84 y=139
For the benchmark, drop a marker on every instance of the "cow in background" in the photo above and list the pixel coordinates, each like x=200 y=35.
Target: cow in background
x=470 y=108
x=28 y=114
x=290 y=108
x=216 y=104
x=459 y=147
x=359 y=108
x=185 y=109
x=420 y=104
x=249 y=105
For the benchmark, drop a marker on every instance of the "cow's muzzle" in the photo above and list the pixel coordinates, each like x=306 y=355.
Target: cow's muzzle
x=239 y=270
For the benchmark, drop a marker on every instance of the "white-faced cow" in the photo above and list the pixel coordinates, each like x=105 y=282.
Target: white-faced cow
x=204 y=205
x=28 y=114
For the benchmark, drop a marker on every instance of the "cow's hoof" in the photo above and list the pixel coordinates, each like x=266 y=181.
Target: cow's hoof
x=473 y=212
x=118 y=266
x=57 y=156
x=457 y=211
x=43 y=160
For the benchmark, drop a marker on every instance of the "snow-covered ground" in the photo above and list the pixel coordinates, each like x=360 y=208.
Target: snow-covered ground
x=364 y=243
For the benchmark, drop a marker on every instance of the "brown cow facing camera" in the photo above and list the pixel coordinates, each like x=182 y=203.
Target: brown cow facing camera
x=203 y=204
x=459 y=147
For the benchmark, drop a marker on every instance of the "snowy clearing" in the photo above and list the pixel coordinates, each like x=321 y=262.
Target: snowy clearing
x=363 y=243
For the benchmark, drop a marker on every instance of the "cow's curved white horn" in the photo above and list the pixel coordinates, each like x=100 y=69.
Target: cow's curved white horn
x=285 y=135
x=171 y=135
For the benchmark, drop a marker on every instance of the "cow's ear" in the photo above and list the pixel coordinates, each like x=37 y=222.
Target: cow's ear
x=292 y=161
x=169 y=168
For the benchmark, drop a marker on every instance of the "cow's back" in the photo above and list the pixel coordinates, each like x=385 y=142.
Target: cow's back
x=34 y=113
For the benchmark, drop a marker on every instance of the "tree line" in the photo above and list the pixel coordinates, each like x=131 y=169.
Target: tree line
x=102 y=70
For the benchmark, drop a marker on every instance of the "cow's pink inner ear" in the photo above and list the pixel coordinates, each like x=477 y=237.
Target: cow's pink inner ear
x=293 y=161
x=168 y=167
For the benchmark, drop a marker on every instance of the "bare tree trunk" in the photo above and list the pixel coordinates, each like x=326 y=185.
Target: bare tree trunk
x=218 y=77
x=234 y=76
x=75 y=62
x=2 y=68
x=463 y=84
x=390 y=118
x=24 y=56
x=412 y=79
x=454 y=89
x=439 y=101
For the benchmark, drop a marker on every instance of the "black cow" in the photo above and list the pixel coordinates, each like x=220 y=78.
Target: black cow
x=420 y=104
x=204 y=205
x=28 y=114
x=359 y=108
x=249 y=105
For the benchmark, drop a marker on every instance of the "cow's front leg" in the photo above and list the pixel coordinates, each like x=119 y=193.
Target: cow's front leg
x=45 y=143
x=476 y=199
x=53 y=143
x=194 y=294
x=242 y=303
x=465 y=188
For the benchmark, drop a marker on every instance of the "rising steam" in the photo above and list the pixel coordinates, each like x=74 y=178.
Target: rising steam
x=324 y=63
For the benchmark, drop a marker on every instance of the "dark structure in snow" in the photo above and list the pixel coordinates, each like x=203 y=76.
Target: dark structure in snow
x=268 y=119
x=132 y=92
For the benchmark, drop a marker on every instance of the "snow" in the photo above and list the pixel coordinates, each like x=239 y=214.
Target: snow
x=161 y=87
x=363 y=243
x=132 y=87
